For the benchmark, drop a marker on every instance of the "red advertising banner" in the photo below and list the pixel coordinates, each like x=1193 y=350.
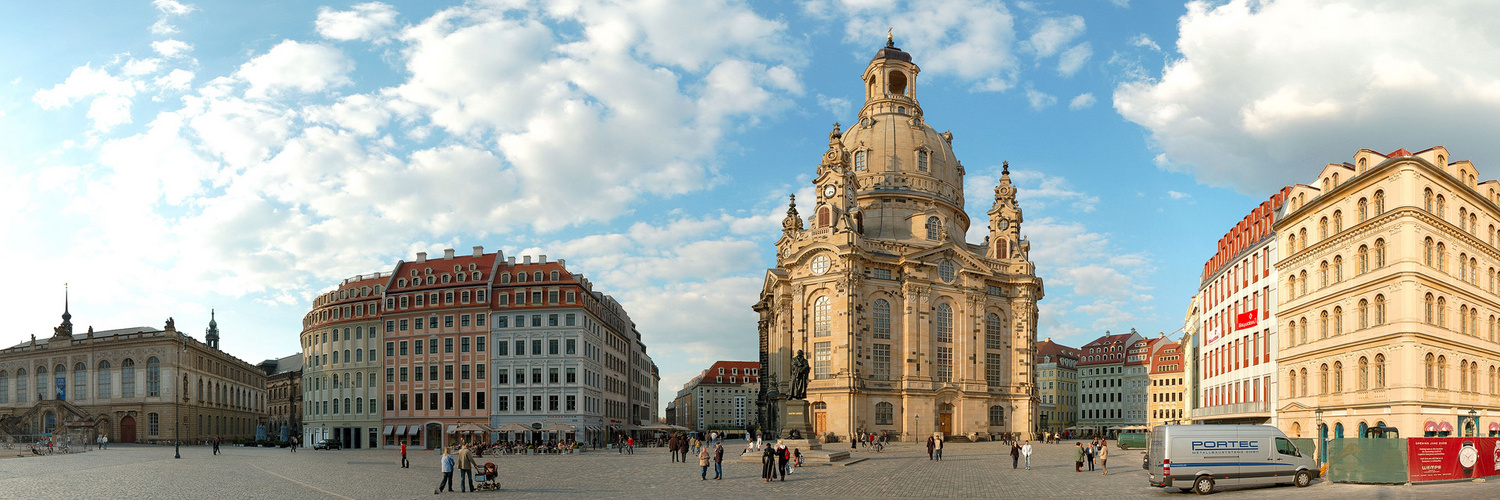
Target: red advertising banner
x=1438 y=459
x=1246 y=319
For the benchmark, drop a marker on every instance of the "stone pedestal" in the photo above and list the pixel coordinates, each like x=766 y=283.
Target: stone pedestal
x=812 y=451
x=795 y=417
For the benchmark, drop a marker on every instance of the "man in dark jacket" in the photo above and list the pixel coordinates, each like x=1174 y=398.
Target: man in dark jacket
x=718 y=461
x=1015 y=455
x=768 y=463
x=783 y=456
x=672 y=444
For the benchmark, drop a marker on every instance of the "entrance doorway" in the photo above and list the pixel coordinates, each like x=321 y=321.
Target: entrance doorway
x=127 y=430
x=945 y=419
x=434 y=436
x=820 y=417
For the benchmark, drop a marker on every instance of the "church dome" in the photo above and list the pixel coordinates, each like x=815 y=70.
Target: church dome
x=891 y=52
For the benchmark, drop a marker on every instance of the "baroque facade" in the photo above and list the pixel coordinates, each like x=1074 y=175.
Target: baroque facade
x=340 y=379
x=1057 y=383
x=907 y=327
x=1390 y=298
x=130 y=384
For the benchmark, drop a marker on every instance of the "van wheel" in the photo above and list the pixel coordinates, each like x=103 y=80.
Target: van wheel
x=1204 y=485
x=1304 y=478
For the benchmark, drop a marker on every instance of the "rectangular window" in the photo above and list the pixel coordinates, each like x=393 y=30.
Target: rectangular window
x=570 y=297
x=572 y=403
x=536 y=403
x=447 y=401
x=552 y=403
x=822 y=359
x=479 y=344
x=882 y=367
x=552 y=347
x=502 y=348
x=479 y=371
x=536 y=376
x=417 y=375
x=390 y=375
x=572 y=375
x=572 y=346
x=569 y=319
x=404 y=373
x=881 y=274
x=520 y=348
x=994 y=364
x=447 y=372
x=403 y=402
x=418 y=346
x=500 y=322
x=536 y=297
x=432 y=400
x=463 y=401
x=419 y=324
x=502 y=376
x=479 y=400
x=552 y=376
x=552 y=297
x=463 y=344
x=536 y=320
x=404 y=325
x=448 y=344
x=943 y=372
x=432 y=322
x=390 y=349
x=520 y=321
x=390 y=326
x=501 y=404
x=520 y=403
x=432 y=374
x=448 y=321
x=536 y=347
x=463 y=320
x=390 y=401
x=463 y=372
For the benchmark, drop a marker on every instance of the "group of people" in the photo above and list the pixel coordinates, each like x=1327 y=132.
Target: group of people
x=681 y=445
x=1097 y=449
x=868 y=439
x=935 y=448
x=1020 y=450
x=463 y=460
x=777 y=461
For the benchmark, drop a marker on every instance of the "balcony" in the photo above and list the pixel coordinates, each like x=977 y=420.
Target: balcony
x=1251 y=408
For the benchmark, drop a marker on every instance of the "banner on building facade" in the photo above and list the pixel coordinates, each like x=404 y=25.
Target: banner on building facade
x=1439 y=459
x=1246 y=319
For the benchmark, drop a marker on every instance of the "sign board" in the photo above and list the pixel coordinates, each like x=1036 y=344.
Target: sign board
x=1440 y=459
x=1246 y=319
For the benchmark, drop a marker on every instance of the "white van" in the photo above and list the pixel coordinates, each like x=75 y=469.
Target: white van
x=1198 y=457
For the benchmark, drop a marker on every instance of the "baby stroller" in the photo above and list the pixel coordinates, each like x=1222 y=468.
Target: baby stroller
x=487 y=479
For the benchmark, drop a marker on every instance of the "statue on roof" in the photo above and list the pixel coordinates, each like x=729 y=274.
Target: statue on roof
x=171 y=324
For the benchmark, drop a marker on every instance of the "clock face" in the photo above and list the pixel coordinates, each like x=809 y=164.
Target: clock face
x=1468 y=456
x=820 y=264
x=828 y=192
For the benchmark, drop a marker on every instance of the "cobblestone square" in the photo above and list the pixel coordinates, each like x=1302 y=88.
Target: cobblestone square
x=979 y=470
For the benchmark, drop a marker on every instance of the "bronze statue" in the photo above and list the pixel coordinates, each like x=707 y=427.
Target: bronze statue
x=171 y=325
x=800 y=371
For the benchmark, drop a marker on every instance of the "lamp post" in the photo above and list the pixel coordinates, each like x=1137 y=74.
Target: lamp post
x=1474 y=421
x=176 y=404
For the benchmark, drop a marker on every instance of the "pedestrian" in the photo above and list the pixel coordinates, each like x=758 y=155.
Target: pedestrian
x=854 y=443
x=767 y=463
x=783 y=460
x=465 y=469
x=215 y=443
x=1088 y=454
x=1026 y=452
x=446 y=464
x=672 y=444
x=713 y=437
x=929 y=447
x=796 y=457
x=718 y=461
x=1104 y=458
x=703 y=459
x=404 y=464
x=1078 y=457
x=939 y=449
x=630 y=445
x=620 y=444
x=1015 y=456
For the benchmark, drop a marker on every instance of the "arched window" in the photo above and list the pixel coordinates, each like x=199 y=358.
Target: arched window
x=153 y=377
x=1338 y=221
x=1338 y=320
x=127 y=378
x=943 y=323
x=1292 y=385
x=80 y=381
x=1463 y=375
x=1380 y=253
x=1291 y=243
x=1302 y=331
x=825 y=216
x=4 y=387
x=921 y=161
x=1463 y=319
x=1427 y=199
x=997 y=416
x=884 y=413
x=1291 y=286
x=1379 y=202
x=1323 y=325
x=934 y=228
x=1440 y=207
x=1362 y=260
x=102 y=389
x=994 y=332
x=1338 y=376
x=1442 y=312
x=1427 y=251
x=859 y=161
x=1291 y=333
x=21 y=385
x=882 y=319
x=1302 y=279
x=1364 y=373
x=1322 y=229
x=822 y=317
x=1474 y=377
x=1363 y=313
x=1429 y=363
x=1323 y=274
x=1338 y=268
x=1364 y=209
x=1323 y=379
x=1302 y=238
x=1474 y=321
x=1442 y=370
x=1427 y=304
x=1304 y=382
x=1379 y=371
x=1361 y=165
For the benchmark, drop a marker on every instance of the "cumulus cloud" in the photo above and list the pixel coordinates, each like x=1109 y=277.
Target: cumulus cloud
x=1082 y=101
x=109 y=96
x=1074 y=58
x=838 y=106
x=296 y=66
x=1177 y=195
x=971 y=39
x=170 y=48
x=1039 y=100
x=1052 y=34
x=167 y=10
x=1264 y=94
x=366 y=21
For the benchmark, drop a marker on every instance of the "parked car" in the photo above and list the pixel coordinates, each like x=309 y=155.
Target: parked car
x=1196 y=457
x=328 y=444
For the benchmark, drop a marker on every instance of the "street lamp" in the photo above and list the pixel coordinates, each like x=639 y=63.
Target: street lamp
x=177 y=405
x=1474 y=421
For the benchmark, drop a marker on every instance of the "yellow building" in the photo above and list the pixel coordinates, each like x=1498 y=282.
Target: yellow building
x=1165 y=395
x=1390 y=297
x=906 y=327
x=1057 y=386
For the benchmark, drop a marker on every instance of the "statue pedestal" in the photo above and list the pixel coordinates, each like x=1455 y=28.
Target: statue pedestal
x=812 y=451
x=795 y=417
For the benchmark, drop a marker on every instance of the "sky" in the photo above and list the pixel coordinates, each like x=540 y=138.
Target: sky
x=164 y=158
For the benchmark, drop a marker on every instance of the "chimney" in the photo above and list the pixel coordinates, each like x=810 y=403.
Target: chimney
x=563 y=263
x=448 y=254
x=510 y=261
x=478 y=251
x=541 y=259
x=421 y=257
x=526 y=259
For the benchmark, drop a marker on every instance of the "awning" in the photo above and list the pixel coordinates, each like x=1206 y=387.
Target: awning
x=400 y=430
x=1495 y=426
x=1445 y=427
x=452 y=427
x=389 y=429
x=1430 y=427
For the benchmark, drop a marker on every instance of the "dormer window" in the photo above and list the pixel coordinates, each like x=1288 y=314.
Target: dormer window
x=859 y=161
x=934 y=228
x=922 y=161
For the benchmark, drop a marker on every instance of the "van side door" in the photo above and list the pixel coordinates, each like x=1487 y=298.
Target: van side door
x=1286 y=459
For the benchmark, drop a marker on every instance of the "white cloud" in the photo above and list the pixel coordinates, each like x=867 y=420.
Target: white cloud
x=1082 y=101
x=971 y=39
x=110 y=96
x=1039 y=100
x=173 y=7
x=171 y=48
x=1052 y=34
x=366 y=21
x=1323 y=81
x=177 y=79
x=1142 y=40
x=296 y=66
x=838 y=106
x=1177 y=195
x=1073 y=59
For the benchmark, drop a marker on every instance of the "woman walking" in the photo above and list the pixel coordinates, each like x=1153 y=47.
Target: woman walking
x=1015 y=456
x=929 y=448
x=703 y=457
x=447 y=466
x=1078 y=457
x=1104 y=458
x=767 y=462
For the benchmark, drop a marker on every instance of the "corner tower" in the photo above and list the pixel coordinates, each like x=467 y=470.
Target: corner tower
x=904 y=324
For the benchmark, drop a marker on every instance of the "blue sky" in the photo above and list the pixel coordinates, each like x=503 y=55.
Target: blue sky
x=168 y=157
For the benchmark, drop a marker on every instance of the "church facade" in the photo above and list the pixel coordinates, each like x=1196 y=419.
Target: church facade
x=907 y=328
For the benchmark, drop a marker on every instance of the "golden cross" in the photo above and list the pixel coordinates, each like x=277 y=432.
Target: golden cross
x=888 y=35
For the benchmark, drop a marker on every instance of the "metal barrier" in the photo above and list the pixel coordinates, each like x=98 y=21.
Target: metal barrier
x=1367 y=461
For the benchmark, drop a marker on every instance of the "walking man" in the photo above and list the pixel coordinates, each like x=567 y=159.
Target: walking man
x=446 y=463
x=672 y=444
x=703 y=459
x=783 y=460
x=939 y=449
x=216 y=445
x=620 y=444
x=404 y=464
x=1026 y=452
x=466 y=469
x=718 y=461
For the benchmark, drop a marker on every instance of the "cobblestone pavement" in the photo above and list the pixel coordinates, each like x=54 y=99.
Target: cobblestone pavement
x=979 y=470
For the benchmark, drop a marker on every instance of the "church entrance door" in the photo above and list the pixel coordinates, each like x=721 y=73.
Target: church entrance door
x=127 y=430
x=945 y=419
x=820 y=422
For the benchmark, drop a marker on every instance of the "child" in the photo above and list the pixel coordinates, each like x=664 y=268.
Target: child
x=797 y=453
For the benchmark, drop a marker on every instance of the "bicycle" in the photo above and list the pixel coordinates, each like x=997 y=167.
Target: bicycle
x=878 y=447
